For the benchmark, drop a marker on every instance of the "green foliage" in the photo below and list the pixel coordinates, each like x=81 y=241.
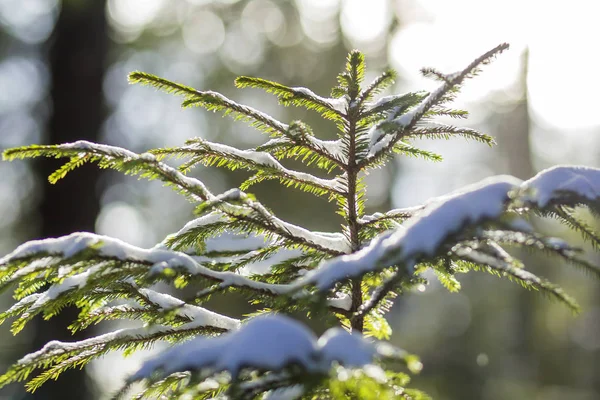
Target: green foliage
x=109 y=280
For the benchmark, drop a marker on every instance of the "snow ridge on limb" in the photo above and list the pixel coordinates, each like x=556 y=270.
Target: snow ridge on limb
x=563 y=184
x=555 y=192
x=101 y=248
x=274 y=343
x=147 y=166
x=331 y=108
x=56 y=357
x=438 y=229
x=207 y=153
x=422 y=235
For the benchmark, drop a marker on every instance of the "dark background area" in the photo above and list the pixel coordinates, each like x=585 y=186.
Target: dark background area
x=63 y=68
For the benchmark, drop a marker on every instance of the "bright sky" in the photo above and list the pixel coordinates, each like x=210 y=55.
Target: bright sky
x=562 y=38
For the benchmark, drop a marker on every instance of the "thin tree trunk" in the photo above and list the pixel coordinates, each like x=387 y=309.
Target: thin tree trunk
x=514 y=145
x=77 y=52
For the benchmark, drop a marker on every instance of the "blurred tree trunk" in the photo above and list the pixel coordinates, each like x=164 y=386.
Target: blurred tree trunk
x=77 y=51
x=514 y=145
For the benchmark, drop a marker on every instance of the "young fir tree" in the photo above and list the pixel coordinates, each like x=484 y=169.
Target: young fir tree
x=347 y=278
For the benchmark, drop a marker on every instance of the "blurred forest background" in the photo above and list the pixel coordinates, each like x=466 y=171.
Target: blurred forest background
x=63 y=69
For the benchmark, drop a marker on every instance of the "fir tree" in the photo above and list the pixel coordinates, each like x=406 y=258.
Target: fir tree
x=348 y=278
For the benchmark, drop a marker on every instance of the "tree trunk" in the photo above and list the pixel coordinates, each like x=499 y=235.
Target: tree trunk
x=77 y=52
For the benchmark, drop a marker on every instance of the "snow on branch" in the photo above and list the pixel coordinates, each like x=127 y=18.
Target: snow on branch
x=198 y=315
x=114 y=157
x=146 y=165
x=504 y=267
x=383 y=136
x=209 y=153
x=573 y=184
x=335 y=242
x=210 y=100
x=332 y=149
x=56 y=356
x=395 y=214
x=331 y=108
x=422 y=235
x=107 y=248
x=272 y=343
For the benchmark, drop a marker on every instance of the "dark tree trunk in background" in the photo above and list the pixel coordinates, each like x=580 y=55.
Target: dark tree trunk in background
x=77 y=52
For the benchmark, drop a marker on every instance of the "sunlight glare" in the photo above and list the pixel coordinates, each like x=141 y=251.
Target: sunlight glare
x=365 y=21
x=561 y=38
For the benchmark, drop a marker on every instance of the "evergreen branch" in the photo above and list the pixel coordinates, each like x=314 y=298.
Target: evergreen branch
x=552 y=246
x=399 y=103
x=349 y=81
x=211 y=154
x=446 y=275
x=441 y=111
x=442 y=131
x=407 y=121
x=526 y=278
x=380 y=293
x=397 y=215
x=195 y=233
x=433 y=73
x=169 y=386
x=301 y=134
x=102 y=248
x=145 y=165
x=165 y=85
x=328 y=107
x=588 y=234
x=212 y=101
x=383 y=81
x=254 y=212
x=309 y=153
x=56 y=357
x=409 y=150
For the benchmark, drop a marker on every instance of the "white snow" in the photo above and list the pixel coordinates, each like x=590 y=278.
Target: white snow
x=553 y=183
x=270 y=342
x=148 y=157
x=200 y=316
x=338 y=104
x=285 y=393
x=98 y=343
x=267 y=160
x=195 y=186
x=378 y=143
x=422 y=234
x=341 y=300
x=349 y=349
x=382 y=101
x=328 y=240
x=333 y=148
x=394 y=213
x=114 y=248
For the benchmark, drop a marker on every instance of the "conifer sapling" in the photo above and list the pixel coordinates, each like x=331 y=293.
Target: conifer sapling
x=350 y=278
